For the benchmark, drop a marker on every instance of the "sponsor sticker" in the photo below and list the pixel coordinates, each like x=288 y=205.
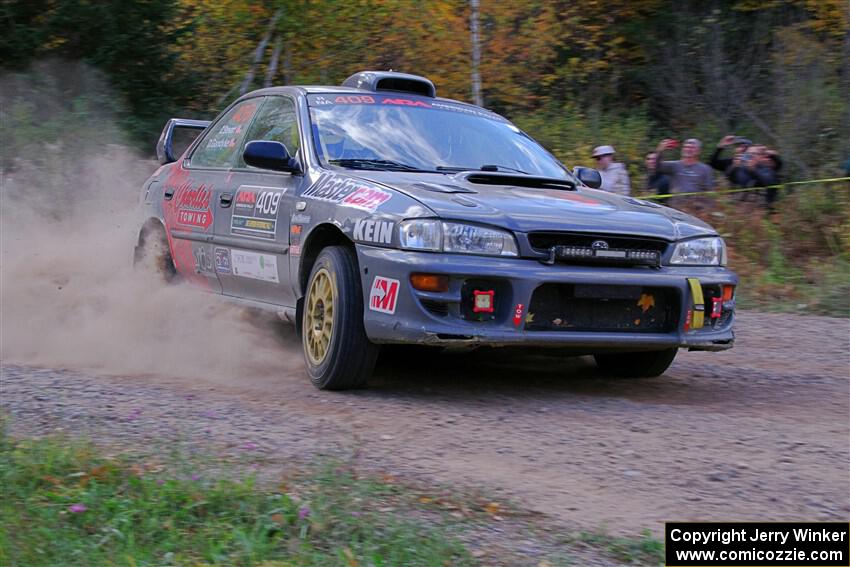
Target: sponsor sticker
x=406 y=102
x=244 y=113
x=300 y=218
x=255 y=212
x=222 y=261
x=374 y=231
x=347 y=192
x=295 y=231
x=354 y=99
x=203 y=261
x=383 y=295
x=254 y=265
x=193 y=205
x=518 y=314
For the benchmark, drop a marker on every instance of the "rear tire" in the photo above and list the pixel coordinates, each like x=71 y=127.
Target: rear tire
x=636 y=364
x=337 y=353
x=153 y=254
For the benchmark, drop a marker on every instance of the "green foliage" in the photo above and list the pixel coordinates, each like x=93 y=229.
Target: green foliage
x=57 y=103
x=572 y=74
x=672 y=68
x=66 y=504
x=796 y=258
x=571 y=133
x=128 y=41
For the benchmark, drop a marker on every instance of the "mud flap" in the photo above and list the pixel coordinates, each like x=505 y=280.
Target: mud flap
x=697 y=320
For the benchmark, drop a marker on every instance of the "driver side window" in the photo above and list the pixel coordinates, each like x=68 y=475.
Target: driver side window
x=276 y=122
x=220 y=147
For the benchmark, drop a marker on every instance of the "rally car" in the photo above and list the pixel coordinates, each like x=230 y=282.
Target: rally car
x=376 y=213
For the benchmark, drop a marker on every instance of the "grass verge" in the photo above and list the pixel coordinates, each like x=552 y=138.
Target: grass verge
x=65 y=504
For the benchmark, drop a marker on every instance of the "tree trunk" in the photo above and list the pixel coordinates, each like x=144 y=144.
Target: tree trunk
x=258 y=53
x=476 y=54
x=272 y=70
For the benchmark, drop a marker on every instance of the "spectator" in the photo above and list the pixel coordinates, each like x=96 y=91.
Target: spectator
x=615 y=178
x=655 y=180
x=688 y=174
x=735 y=168
x=765 y=172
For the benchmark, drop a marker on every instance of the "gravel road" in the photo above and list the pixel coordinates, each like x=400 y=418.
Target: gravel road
x=761 y=432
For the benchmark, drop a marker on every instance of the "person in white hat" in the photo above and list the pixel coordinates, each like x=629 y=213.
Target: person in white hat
x=615 y=178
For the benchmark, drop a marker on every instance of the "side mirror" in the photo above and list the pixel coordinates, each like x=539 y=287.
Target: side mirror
x=588 y=176
x=270 y=155
x=177 y=135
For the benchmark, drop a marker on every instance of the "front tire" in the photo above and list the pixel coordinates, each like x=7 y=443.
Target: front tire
x=337 y=353
x=636 y=364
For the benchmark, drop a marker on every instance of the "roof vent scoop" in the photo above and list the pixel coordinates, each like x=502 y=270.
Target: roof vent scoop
x=390 y=81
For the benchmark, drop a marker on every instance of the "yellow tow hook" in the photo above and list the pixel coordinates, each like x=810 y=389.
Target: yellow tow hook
x=697 y=319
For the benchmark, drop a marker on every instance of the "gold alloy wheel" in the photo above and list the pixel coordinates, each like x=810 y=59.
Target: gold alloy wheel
x=319 y=318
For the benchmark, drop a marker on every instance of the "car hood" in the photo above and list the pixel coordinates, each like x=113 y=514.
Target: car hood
x=526 y=209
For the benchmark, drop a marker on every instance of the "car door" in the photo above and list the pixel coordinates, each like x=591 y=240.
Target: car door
x=254 y=213
x=191 y=203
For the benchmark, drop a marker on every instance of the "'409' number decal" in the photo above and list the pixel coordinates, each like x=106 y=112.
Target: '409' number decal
x=354 y=99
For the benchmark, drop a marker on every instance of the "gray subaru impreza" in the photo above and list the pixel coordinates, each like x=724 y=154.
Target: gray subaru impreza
x=378 y=213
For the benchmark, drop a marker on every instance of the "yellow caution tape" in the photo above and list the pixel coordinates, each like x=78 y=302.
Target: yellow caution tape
x=745 y=189
x=698 y=320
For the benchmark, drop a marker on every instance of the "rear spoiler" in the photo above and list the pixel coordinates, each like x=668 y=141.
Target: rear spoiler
x=165 y=145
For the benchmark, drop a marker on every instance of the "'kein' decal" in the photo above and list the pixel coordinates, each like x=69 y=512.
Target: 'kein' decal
x=373 y=231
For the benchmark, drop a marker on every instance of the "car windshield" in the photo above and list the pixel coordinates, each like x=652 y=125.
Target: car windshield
x=404 y=133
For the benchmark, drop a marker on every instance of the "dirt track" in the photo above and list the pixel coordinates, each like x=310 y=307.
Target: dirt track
x=761 y=432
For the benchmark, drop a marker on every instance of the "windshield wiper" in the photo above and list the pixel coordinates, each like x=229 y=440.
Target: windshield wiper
x=485 y=167
x=375 y=164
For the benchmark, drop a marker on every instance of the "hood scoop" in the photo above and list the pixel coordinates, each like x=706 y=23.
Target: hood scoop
x=442 y=188
x=498 y=178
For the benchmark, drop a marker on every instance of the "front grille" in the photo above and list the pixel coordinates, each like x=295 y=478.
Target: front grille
x=602 y=308
x=580 y=248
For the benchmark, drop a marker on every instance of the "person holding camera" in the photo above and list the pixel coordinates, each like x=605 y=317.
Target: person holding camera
x=764 y=171
x=737 y=168
x=688 y=174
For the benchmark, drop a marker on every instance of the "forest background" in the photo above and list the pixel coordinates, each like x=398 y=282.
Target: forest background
x=573 y=74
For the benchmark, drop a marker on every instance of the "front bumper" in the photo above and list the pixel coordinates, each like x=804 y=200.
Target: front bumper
x=414 y=319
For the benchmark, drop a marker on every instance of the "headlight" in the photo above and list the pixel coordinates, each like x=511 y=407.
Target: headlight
x=700 y=252
x=439 y=236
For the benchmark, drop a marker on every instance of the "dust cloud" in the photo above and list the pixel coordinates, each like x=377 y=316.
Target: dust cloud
x=69 y=219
